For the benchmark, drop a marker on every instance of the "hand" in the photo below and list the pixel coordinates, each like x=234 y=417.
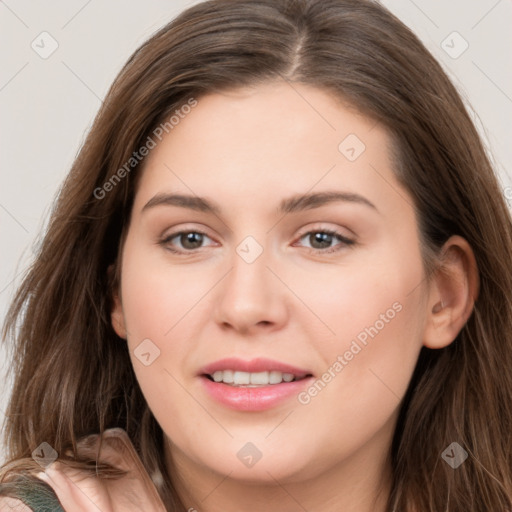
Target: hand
x=78 y=491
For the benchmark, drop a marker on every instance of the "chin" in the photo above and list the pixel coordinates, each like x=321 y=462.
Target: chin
x=259 y=462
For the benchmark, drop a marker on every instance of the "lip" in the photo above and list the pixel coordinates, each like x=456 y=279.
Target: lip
x=260 y=364
x=254 y=399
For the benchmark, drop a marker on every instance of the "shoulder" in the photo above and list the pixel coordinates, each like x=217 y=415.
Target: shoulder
x=28 y=494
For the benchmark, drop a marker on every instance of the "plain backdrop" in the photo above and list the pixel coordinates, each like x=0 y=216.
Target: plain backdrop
x=47 y=104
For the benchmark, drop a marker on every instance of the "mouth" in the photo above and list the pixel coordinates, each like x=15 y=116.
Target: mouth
x=254 y=391
x=252 y=386
x=236 y=378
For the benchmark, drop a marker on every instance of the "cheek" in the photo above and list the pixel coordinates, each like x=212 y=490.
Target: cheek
x=359 y=394
x=158 y=297
x=377 y=319
x=162 y=309
x=155 y=317
x=370 y=296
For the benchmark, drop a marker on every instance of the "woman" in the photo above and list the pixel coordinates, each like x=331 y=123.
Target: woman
x=277 y=277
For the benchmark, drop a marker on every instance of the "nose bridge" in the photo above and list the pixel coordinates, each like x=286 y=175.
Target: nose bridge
x=251 y=294
x=249 y=266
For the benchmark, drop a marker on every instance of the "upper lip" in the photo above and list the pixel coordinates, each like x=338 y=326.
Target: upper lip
x=260 y=364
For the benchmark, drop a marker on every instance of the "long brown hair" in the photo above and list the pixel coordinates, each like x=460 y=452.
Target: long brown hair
x=73 y=374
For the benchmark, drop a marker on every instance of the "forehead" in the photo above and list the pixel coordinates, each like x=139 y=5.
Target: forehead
x=276 y=137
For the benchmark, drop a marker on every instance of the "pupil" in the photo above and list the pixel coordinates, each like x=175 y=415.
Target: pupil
x=192 y=238
x=322 y=238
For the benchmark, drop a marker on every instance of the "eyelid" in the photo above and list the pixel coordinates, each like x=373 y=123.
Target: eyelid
x=345 y=241
x=322 y=228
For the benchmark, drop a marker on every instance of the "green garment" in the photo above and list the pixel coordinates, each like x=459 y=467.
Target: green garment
x=33 y=492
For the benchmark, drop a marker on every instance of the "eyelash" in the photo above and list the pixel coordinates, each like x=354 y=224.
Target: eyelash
x=345 y=242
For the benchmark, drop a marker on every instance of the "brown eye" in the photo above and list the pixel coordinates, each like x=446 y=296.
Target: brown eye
x=185 y=241
x=191 y=240
x=321 y=240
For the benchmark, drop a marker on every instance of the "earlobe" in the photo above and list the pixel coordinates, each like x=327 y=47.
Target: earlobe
x=453 y=292
x=117 y=318
x=116 y=314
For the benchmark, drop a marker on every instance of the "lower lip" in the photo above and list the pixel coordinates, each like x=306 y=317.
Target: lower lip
x=258 y=398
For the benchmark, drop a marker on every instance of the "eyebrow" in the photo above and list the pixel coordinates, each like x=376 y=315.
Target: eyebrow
x=290 y=205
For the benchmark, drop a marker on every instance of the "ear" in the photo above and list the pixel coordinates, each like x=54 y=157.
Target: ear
x=452 y=293
x=116 y=314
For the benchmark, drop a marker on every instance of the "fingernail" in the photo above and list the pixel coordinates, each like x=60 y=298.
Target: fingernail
x=43 y=476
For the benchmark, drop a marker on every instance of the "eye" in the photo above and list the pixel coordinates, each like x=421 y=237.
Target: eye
x=188 y=240
x=322 y=239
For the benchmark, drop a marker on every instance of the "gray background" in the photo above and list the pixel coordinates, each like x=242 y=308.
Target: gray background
x=47 y=105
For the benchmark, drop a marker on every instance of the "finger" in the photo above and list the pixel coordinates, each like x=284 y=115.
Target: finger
x=76 y=492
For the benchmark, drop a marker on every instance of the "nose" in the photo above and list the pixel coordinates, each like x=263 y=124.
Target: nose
x=251 y=298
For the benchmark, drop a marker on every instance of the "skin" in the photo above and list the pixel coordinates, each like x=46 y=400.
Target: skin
x=246 y=150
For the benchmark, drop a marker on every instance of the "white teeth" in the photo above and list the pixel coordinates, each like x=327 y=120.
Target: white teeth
x=237 y=378
x=241 y=378
x=259 y=378
x=275 y=377
x=228 y=377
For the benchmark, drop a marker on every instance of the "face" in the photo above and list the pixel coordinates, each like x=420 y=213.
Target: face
x=294 y=254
